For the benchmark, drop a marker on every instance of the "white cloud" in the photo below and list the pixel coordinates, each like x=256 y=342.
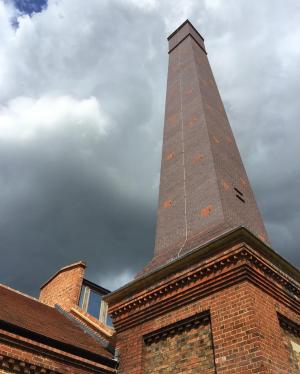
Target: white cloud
x=213 y=4
x=175 y=15
x=25 y=118
x=146 y=5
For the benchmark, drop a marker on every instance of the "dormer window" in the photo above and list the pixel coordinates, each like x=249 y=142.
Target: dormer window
x=92 y=303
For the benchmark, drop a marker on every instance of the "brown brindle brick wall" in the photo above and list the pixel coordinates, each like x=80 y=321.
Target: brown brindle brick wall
x=64 y=288
x=294 y=355
x=186 y=352
x=246 y=333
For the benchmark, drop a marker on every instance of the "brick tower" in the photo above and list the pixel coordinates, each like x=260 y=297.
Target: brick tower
x=215 y=298
x=204 y=189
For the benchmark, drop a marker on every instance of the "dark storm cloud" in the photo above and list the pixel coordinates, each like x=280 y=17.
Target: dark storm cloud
x=62 y=213
x=82 y=99
x=68 y=192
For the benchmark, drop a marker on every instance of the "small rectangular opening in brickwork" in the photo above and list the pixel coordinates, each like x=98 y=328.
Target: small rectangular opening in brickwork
x=291 y=338
x=183 y=347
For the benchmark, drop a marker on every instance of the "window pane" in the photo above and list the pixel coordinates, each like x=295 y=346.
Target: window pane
x=94 y=304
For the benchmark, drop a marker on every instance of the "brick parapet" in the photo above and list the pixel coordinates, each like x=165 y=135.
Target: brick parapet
x=64 y=287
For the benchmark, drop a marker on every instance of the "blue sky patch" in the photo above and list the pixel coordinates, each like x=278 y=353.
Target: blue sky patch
x=30 y=6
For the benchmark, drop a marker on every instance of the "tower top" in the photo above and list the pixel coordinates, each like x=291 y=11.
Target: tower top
x=204 y=189
x=186 y=29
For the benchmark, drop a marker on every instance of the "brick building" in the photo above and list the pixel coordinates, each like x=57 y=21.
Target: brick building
x=215 y=298
x=64 y=331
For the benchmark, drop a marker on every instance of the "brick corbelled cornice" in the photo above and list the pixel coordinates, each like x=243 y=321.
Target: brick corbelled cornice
x=33 y=348
x=200 y=254
x=242 y=263
x=14 y=365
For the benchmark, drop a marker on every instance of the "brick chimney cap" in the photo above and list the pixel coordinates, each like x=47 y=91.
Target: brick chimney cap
x=67 y=267
x=181 y=26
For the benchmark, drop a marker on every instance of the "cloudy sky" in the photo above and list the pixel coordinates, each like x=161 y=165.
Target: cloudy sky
x=82 y=90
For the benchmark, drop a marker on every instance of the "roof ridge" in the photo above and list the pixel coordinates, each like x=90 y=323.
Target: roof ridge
x=24 y=294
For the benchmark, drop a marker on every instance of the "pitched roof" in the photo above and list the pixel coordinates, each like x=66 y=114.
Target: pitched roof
x=45 y=324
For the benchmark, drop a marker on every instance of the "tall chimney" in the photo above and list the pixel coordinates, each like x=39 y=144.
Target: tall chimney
x=204 y=189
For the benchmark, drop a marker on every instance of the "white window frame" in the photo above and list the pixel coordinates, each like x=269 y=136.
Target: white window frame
x=103 y=305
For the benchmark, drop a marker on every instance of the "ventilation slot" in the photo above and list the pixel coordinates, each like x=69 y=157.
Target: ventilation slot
x=240 y=198
x=238 y=191
x=239 y=195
